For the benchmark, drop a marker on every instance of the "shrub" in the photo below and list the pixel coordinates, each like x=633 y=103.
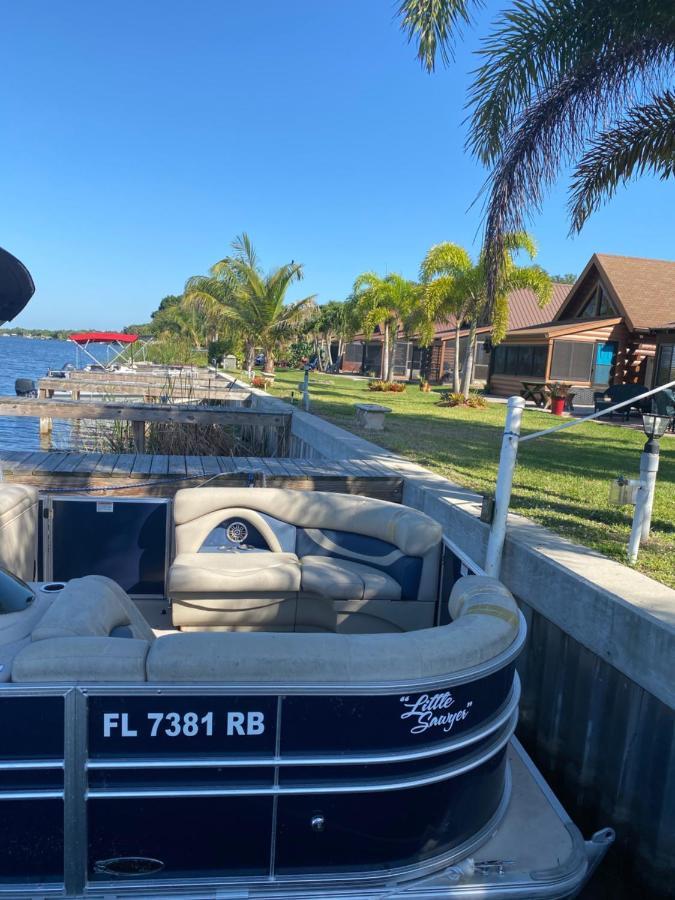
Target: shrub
x=258 y=382
x=395 y=387
x=474 y=400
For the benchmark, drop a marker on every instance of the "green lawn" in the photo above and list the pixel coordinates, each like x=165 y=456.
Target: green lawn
x=561 y=481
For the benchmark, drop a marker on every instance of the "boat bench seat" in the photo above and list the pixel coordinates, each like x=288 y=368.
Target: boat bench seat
x=485 y=623
x=79 y=638
x=319 y=561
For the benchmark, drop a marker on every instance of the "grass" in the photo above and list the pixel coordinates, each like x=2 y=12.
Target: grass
x=561 y=481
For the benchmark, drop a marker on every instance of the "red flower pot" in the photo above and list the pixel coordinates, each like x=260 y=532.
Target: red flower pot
x=557 y=405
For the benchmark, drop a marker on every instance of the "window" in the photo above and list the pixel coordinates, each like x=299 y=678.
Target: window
x=665 y=365
x=572 y=361
x=354 y=352
x=596 y=306
x=520 y=359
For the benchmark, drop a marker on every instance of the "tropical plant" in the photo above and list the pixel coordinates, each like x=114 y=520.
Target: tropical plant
x=390 y=302
x=456 y=286
x=571 y=82
x=249 y=303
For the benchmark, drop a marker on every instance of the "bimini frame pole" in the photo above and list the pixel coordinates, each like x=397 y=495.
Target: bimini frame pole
x=507 y=463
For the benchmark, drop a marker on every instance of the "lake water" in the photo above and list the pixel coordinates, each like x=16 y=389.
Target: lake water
x=30 y=358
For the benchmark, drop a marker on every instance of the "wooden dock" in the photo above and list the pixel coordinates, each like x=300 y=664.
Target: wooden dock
x=143 y=474
x=149 y=390
x=275 y=424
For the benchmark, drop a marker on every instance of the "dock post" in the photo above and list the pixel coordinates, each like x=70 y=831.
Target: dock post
x=45 y=425
x=507 y=463
x=139 y=436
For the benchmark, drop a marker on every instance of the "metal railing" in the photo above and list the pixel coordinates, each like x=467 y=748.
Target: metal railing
x=507 y=461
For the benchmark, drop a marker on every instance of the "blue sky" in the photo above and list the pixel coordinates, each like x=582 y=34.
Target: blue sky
x=138 y=138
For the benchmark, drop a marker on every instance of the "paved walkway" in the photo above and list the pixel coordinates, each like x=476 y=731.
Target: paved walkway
x=634 y=422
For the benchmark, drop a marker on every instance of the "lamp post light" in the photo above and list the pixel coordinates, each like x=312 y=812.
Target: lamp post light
x=654 y=426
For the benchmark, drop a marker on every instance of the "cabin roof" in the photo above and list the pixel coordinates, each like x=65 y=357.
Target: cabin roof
x=641 y=290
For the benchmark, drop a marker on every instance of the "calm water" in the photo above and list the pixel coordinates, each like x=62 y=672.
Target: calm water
x=30 y=358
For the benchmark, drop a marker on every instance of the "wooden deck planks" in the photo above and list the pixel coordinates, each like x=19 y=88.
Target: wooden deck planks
x=54 y=470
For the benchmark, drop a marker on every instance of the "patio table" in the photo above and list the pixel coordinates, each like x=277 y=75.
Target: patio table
x=537 y=391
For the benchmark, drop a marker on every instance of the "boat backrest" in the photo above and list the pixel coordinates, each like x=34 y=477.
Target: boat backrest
x=18 y=529
x=401 y=541
x=486 y=623
x=92 y=632
x=93 y=606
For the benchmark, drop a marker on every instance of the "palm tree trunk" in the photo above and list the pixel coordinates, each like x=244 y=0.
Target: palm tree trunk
x=392 y=351
x=269 y=362
x=249 y=355
x=455 y=367
x=467 y=376
x=384 y=362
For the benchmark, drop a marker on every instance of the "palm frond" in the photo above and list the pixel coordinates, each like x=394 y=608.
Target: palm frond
x=644 y=141
x=433 y=25
x=444 y=259
x=549 y=133
x=536 y=43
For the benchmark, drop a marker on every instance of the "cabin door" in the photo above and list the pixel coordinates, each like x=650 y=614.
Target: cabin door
x=603 y=362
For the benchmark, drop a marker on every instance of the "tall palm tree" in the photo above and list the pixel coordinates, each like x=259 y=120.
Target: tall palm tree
x=335 y=321
x=388 y=302
x=249 y=302
x=456 y=286
x=586 y=83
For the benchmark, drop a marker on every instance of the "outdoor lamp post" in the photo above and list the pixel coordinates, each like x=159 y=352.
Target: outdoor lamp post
x=654 y=426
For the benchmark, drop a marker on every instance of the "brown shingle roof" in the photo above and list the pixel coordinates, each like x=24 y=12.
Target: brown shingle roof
x=642 y=289
x=524 y=310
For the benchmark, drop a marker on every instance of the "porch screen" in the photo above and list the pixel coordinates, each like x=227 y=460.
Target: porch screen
x=520 y=359
x=354 y=352
x=665 y=367
x=572 y=361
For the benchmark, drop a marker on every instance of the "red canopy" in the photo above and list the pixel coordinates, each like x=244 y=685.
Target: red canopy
x=103 y=337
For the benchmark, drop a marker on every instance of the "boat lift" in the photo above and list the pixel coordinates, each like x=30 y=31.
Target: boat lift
x=115 y=340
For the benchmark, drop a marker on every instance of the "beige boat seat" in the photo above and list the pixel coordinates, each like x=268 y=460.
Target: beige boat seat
x=317 y=561
x=91 y=632
x=18 y=529
x=485 y=623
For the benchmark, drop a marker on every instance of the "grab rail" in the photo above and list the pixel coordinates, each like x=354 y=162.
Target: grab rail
x=507 y=463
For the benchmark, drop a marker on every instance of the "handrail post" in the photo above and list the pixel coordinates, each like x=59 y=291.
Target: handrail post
x=507 y=463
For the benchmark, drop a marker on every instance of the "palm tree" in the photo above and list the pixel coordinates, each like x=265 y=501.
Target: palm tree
x=250 y=303
x=456 y=286
x=335 y=321
x=575 y=82
x=388 y=302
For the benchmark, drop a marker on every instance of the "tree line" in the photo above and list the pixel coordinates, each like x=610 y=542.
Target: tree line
x=239 y=308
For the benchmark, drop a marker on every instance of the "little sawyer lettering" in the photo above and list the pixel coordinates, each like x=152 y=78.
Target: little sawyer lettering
x=433 y=711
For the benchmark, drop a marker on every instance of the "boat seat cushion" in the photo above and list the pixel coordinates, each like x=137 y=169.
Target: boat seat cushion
x=18 y=529
x=93 y=606
x=81 y=659
x=343 y=579
x=245 y=574
x=486 y=624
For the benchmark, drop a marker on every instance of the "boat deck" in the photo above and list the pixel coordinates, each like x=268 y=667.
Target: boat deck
x=146 y=474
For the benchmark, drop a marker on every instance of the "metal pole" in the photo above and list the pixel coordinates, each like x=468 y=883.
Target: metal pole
x=305 y=390
x=636 y=530
x=507 y=463
x=649 y=466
